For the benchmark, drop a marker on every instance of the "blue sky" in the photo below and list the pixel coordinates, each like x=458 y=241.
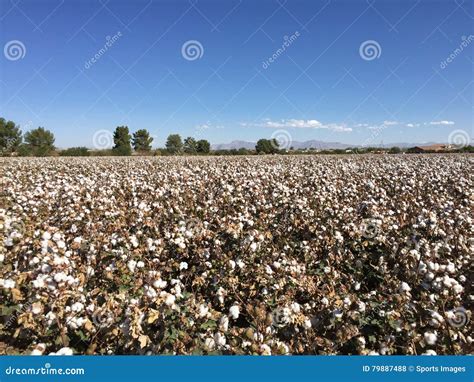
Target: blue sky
x=322 y=84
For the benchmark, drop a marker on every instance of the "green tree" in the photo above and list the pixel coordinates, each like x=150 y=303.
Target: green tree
x=203 y=146
x=190 y=145
x=122 y=139
x=40 y=141
x=174 y=144
x=10 y=136
x=142 y=140
x=267 y=146
x=395 y=150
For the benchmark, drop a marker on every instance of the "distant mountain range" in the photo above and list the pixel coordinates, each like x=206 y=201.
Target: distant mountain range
x=314 y=144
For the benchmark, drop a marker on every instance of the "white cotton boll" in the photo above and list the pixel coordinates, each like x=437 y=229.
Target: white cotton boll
x=268 y=270
x=2 y=258
x=361 y=342
x=337 y=313
x=265 y=349
x=253 y=247
x=203 y=310
x=347 y=301
x=46 y=268
x=210 y=343
x=77 y=307
x=356 y=286
x=327 y=269
x=276 y=265
x=140 y=264
x=170 y=300
x=458 y=289
x=220 y=295
x=60 y=277
x=438 y=317
x=150 y=292
x=224 y=323
x=131 y=265
x=361 y=306
x=429 y=352
x=325 y=301
x=36 y=308
x=240 y=264
x=430 y=338
x=404 y=287
x=63 y=351
x=183 y=265
x=159 y=284
x=451 y=268
x=46 y=236
x=232 y=264
x=234 y=312
x=219 y=339
x=8 y=283
x=61 y=244
x=307 y=324
x=295 y=307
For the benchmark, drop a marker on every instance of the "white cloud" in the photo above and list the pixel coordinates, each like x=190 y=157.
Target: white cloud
x=446 y=123
x=305 y=124
x=390 y=123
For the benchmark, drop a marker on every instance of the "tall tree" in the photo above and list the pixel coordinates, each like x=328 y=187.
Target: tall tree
x=174 y=145
x=267 y=146
x=190 y=145
x=142 y=140
x=122 y=139
x=203 y=146
x=10 y=136
x=40 y=141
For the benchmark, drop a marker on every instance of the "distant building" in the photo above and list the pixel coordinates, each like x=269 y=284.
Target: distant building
x=431 y=148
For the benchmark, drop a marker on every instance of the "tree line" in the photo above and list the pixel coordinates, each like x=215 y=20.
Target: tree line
x=40 y=142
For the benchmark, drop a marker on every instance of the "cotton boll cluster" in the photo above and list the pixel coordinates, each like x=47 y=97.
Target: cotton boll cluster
x=238 y=255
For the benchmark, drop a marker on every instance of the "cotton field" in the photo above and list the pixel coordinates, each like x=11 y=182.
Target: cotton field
x=237 y=255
